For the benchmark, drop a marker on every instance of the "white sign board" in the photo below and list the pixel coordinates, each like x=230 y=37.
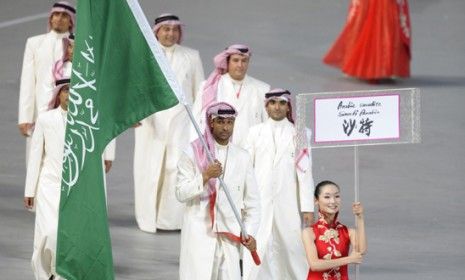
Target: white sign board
x=354 y=118
x=361 y=118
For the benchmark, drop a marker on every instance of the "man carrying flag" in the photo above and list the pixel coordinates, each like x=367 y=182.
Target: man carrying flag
x=210 y=235
x=111 y=89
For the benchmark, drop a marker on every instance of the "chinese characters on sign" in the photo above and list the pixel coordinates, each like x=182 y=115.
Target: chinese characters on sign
x=357 y=118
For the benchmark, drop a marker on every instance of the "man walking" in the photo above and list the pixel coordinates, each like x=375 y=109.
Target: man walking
x=211 y=235
x=286 y=188
x=230 y=83
x=40 y=55
x=161 y=138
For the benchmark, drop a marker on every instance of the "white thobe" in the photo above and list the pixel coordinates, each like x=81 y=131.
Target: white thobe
x=35 y=92
x=247 y=96
x=43 y=182
x=285 y=192
x=204 y=254
x=159 y=142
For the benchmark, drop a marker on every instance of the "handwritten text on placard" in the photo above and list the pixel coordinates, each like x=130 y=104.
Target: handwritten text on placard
x=356 y=118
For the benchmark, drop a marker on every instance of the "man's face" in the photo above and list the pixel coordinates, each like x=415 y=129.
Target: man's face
x=277 y=109
x=222 y=129
x=168 y=35
x=63 y=95
x=60 y=22
x=237 y=66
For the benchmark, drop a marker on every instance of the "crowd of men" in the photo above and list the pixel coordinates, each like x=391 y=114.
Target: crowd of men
x=248 y=129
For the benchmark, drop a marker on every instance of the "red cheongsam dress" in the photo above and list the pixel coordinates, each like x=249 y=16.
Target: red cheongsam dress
x=332 y=242
x=375 y=42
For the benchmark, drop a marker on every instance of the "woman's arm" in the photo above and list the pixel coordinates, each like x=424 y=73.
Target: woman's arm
x=357 y=236
x=316 y=264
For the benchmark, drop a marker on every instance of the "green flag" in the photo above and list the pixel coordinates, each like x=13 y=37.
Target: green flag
x=119 y=77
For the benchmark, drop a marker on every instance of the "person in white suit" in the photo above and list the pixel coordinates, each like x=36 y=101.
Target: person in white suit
x=285 y=182
x=230 y=83
x=43 y=180
x=160 y=138
x=210 y=235
x=40 y=54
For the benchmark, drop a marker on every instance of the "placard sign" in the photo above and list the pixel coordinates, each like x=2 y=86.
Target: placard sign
x=362 y=118
x=355 y=118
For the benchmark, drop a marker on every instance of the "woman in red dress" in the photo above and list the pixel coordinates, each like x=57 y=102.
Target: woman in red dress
x=375 y=42
x=327 y=242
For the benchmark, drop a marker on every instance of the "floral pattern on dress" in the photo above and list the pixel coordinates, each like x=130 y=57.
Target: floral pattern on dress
x=332 y=242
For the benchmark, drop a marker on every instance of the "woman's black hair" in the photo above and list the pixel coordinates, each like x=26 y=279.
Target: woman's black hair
x=322 y=184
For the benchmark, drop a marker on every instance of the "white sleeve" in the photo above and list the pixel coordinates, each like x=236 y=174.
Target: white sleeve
x=305 y=180
x=198 y=76
x=248 y=144
x=251 y=202
x=306 y=190
x=189 y=183
x=34 y=165
x=197 y=113
x=27 y=87
x=264 y=113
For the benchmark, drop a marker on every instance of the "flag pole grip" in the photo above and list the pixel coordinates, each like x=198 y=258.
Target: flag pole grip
x=255 y=257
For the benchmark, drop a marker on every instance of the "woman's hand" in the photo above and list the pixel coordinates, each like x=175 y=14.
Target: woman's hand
x=355 y=257
x=357 y=209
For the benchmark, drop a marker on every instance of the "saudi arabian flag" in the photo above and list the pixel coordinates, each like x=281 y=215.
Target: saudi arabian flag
x=119 y=77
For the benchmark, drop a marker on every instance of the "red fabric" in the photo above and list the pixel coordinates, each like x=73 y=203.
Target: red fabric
x=231 y=236
x=332 y=242
x=237 y=239
x=375 y=42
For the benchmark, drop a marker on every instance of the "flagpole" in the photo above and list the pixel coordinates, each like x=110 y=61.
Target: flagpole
x=255 y=256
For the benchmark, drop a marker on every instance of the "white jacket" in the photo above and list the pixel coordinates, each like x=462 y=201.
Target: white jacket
x=198 y=240
x=40 y=54
x=159 y=142
x=285 y=192
x=43 y=182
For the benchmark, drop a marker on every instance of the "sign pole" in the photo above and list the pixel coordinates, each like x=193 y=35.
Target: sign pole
x=356 y=174
x=356 y=199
